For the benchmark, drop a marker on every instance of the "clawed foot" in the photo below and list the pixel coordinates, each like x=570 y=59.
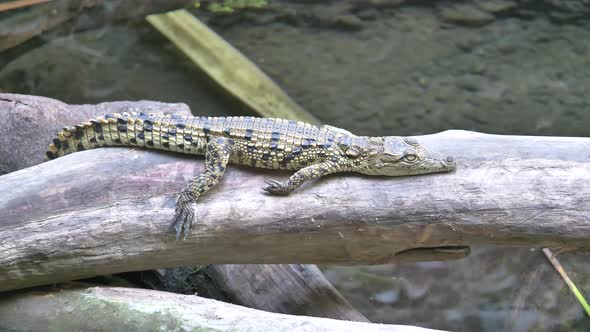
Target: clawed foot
x=184 y=216
x=275 y=187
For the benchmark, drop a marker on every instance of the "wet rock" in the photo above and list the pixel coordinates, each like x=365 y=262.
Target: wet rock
x=471 y=83
x=387 y=297
x=368 y=14
x=468 y=44
x=348 y=21
x=464 y=14
x=495 y=6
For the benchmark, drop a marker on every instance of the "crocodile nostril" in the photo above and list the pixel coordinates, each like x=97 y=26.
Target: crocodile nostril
x=450 y=159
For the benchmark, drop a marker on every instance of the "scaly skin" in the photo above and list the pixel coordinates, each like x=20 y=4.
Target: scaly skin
x=259 y=142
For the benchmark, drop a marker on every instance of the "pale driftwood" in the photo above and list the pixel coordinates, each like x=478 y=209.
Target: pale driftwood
x=69 y=307
x=107 y=210
x=314 y=294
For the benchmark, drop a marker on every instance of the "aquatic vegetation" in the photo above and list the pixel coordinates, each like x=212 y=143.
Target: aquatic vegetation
x=229 y=6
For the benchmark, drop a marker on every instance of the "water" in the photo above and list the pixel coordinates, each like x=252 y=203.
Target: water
x=517 y=67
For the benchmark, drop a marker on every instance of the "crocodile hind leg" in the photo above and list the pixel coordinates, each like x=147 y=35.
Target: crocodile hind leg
x=302 y=175
x=217 y=154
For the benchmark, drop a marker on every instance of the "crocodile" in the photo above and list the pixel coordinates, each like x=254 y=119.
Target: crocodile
x=309 y=150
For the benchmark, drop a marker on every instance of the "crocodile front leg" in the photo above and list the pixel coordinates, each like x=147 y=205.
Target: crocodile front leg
x=302 y=175
x=216 y=158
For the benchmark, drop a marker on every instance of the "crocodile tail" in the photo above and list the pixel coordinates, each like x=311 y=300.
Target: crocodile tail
x=112 y=130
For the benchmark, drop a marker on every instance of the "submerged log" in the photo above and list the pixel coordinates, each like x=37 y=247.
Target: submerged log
x=68 y=307
x=107 y=210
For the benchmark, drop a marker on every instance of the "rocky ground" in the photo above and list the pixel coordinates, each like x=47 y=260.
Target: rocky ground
x=381 y=68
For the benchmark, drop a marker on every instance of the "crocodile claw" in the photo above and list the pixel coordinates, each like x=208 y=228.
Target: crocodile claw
x=275 y=187
x=184 y=216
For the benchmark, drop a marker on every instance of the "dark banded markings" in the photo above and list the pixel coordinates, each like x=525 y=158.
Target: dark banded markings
x=248 y=134
x=97 y=127
x=57 y=143
x=148 y=125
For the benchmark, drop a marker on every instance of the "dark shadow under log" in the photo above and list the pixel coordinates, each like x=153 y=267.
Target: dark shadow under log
x=107 y=210
x=296 y=289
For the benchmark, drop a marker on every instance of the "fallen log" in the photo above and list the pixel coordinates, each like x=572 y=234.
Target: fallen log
x=68 y=307
x=315 y=296
x=107 y=210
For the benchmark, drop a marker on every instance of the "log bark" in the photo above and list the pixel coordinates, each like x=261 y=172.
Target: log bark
x=68 y=307
x=107 y=210
x=315 y=296
x=296 y=289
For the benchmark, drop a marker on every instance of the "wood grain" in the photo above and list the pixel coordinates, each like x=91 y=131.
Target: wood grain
x=107 y=210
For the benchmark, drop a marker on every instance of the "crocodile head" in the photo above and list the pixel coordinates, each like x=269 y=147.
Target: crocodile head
x=399 y=156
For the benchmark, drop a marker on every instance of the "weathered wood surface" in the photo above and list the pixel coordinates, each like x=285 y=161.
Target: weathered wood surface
x=34 y=119
x=68 y=308
x=297 y=289
x=107 y=210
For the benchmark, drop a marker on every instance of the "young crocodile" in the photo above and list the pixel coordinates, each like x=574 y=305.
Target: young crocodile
x=258 y=142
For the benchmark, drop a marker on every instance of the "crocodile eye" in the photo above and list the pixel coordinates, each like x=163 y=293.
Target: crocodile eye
x=410 y=157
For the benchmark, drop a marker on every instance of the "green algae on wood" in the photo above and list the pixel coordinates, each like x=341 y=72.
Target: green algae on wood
x=67 y=307
x=229 y=6
x=227 y=66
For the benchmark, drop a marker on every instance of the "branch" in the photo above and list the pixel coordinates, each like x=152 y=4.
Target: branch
x=120 y=309
x=107 y=210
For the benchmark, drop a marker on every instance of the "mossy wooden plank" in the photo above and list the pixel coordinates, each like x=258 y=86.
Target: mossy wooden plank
x=227 y=66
